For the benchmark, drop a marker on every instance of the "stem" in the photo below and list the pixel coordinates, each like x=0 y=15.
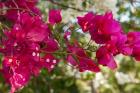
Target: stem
x=19 y=9
x=88 y=42
x=61 y=52
x=18 y=12
x=4 y=26
x=93 y=90
x=62 y=5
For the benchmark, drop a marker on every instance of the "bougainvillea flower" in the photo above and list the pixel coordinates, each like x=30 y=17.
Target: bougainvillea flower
x=134 y=43
x=19 y=79
x=21 y=5
x=22 y=47
x=54 y=16
x=86 y=21
x=25 y=57
x=103 y=27
x=134 y=39
x=15 y=73
x=82 y=63
x=1 y=6
x=51 y=45
x=27 y=44
x=80 y=59
x=136 y=53
x=105 y=58
x=66 y=35
x=35 y=31
x=87 y=64
x=49 y=62
x=118 y=44
x=72 y=60
x=24 y=34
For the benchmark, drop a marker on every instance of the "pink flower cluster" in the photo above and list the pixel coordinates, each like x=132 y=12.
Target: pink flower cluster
x=108 y=34
x=23 y=44
x=28 y=45
x=79 y=58
x=15 y=7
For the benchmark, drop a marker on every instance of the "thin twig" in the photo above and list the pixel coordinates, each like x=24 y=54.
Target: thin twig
x=62 y=5
x=18 y=9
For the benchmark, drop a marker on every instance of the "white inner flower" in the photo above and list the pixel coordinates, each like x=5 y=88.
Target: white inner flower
x=10 y=60
x=33 y=54
x=38 y=54
x=52 y=66
x=54 y=61
x=47 y=60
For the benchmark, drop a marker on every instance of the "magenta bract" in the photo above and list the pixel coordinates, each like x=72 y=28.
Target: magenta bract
x=54 y=16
